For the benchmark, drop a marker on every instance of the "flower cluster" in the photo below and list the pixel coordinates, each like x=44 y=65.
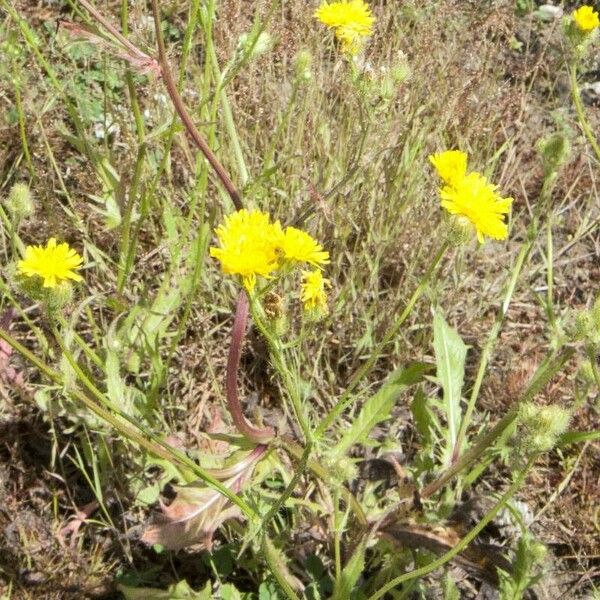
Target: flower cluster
x=471 y=195
x=54 y=263
x=251 y=246
x=586 y=19
x=352 y=21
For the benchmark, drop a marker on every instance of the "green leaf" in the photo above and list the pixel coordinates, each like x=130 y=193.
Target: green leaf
x=350 y=573
x=178 y=591
x=450 y=354
x=575 y=437
x=379 y=407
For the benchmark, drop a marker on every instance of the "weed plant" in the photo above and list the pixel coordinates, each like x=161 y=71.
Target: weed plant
x=239 y=320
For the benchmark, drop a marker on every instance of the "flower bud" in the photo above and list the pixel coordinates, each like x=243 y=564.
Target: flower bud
x=340 y=469
x=541 y=426
x=274 y=308
x=538 y=552
x=459 y=230
x=555 y=150
x=254 y=45
x=303 y=66
x=587 y=326
x=58 y=297
x=19 y=202
x=586 y=372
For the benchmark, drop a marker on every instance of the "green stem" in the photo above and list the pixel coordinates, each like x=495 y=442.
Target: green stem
x=583 y=122
x=462 y=544
x=491 y=342
x=279 y=361
x=366 y=368
x=550 y=367
x=336 y=535
x=274 y=560
x=124 y=424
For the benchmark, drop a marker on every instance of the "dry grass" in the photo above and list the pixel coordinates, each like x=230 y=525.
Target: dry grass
x=481 y=79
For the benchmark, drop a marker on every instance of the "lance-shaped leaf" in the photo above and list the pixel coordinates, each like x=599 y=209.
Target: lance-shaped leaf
x=379 y=407
x=450 y=355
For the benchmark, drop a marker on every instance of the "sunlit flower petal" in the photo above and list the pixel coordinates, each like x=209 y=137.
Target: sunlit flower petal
x=475 y=198
x=314 y=295
x=53 y=263
x=352 y=21
x=299 y=246
x=586 y=19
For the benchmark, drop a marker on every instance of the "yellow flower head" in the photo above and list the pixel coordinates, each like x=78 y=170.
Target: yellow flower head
x=314 y=296
x=476 y=199
x=352 y=21
x=249 y=245
x=586 y=19
x=299 y=246
x=450 y=165
x=53 y=263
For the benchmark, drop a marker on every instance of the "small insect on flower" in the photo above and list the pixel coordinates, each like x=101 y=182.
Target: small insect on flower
x=352 y=21
x=451 y=165
x=314 y=295
x=299 y=246
x=53 y=263
x=475 y=198
x=586 y=19
x=249 y=246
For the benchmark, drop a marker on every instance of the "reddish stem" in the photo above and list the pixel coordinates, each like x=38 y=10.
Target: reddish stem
x=233 y=362
x=185 y=117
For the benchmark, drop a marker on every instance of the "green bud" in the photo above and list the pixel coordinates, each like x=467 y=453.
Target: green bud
x=58 y=297
x=303 y=66
x=582 y=326
x=586 y=372
x=341 y=469
x=254 y=45
x=595 y=314
x=459 y=230
x=586 y=327
x=538 y=552
x=401 y=69
x=541 y=426
x=555 y=150
x=19 y=202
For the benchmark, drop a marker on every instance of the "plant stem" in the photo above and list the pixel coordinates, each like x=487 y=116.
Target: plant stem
x=583 y=122
x=184 y=115
x=462 y=544
x=233 y=362
x=552 y=365
x=279 y=362
x=366 y=368
x=127 y=426
x=490 y=343
x=336 y=535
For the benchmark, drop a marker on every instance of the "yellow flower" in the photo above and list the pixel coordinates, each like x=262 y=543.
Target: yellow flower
x=586 y=19
x=476 y=199
x=352 y=21
x=314 y=296
x=249 y=246
x=450 y=165
x=53 y=263
x=299 y=246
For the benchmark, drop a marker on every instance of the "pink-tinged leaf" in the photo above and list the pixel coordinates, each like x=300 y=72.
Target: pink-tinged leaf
x=192 y=518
